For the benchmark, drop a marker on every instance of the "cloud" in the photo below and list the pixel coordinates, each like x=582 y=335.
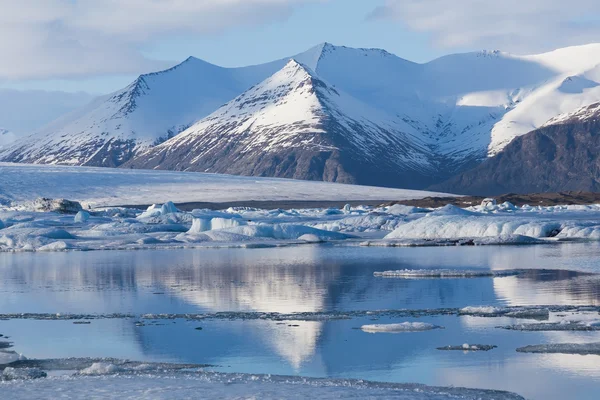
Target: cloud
x=41 y=39
x=511 y=25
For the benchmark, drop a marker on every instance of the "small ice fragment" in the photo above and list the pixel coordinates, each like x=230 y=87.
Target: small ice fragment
x=469 y=347
x=401 y=327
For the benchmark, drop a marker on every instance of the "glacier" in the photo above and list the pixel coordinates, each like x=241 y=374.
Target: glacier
x=101 y=221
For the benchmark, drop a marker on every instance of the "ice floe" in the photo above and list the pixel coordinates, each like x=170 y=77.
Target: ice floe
x=444 y=273
x=563 y=325
x=401 y=327
x=469 y=347
x=563 y=348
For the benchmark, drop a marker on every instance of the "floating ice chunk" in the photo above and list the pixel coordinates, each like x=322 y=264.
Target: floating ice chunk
x=82 y=217
x=481 y=311
x=101 y=368
x=200 y=225
x=469 y=347
x=563 y=348
x=537 y=313
x=401 y=327
x=11 y=374
x=555 y=326
x=444 y=273
x=474 y=226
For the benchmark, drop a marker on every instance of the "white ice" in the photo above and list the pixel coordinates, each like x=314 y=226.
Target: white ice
x=400 y=327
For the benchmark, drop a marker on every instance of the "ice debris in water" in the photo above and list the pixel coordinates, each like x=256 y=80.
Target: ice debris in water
x=401 y=327
x=563 y=348
x=469 y=347
x=444 y=273
x=483 y=311
x=563 y=325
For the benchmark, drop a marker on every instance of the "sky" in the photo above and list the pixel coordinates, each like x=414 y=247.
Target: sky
x=99 y=46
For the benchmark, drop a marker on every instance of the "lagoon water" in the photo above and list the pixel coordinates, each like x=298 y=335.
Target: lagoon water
x=252 y=286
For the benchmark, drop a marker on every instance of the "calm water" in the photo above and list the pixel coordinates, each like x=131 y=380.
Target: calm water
x=309 y=279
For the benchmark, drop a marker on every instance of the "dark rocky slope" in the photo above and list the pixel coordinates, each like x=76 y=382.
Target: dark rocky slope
x=564 y=155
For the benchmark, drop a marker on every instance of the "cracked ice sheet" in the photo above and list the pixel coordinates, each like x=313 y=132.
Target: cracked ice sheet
x=229 y=386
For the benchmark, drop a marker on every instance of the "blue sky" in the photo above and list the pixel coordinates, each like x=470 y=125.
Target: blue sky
x=99 y=46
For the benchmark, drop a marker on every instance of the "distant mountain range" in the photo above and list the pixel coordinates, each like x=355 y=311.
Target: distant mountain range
x=332 y=113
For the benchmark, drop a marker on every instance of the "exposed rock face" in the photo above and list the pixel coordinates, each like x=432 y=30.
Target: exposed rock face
x=562 y=155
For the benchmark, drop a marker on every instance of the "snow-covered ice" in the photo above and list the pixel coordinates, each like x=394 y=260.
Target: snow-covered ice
x=158 y=385
x=97 y=187
x=400 y=327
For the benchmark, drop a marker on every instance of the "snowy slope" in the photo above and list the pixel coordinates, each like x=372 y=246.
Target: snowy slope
x=459 y=109
x=321 y=132
x=153 y=108
x=103 y=186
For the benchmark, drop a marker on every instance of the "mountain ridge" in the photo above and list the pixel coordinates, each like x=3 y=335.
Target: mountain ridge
x=461 y=108
x=293 y=125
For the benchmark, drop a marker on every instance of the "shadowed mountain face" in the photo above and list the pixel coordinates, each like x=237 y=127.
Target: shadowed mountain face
x=563 y=155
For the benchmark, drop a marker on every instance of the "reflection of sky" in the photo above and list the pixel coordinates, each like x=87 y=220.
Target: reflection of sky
x=302 y=279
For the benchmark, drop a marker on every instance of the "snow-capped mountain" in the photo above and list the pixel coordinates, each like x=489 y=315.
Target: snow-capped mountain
x=155 y=107
x=450 y=113
x=6 y=137
x=296 y=125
